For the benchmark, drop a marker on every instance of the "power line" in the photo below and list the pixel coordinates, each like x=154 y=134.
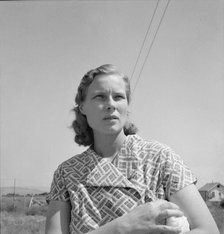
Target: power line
x=143 y=43
x=150 y=46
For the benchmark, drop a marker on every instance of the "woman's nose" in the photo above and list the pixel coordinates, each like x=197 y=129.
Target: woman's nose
x=110 y=104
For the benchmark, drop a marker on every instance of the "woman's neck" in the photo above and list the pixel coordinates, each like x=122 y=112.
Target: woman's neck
x=108 y=145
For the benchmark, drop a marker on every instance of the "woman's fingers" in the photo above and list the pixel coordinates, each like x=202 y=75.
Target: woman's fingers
x=165 y=214
x=152 y=217
x=168 y=205
x=162 y=204
x=166 y=229
x=166 y=210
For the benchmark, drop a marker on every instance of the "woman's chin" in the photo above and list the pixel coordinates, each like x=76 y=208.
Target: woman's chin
x=113 y=130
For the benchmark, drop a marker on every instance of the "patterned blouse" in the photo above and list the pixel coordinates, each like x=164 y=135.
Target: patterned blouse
x=100 y=191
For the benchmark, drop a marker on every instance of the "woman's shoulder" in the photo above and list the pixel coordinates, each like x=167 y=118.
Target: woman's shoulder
x=147 y=144
x=76 y=160
x=153 y=151
x=145 y=149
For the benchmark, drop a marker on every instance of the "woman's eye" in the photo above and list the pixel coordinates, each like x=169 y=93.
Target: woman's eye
x=99 y=96
x=118 y=97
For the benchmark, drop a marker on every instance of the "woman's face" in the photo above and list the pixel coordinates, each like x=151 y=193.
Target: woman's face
x=106 y=104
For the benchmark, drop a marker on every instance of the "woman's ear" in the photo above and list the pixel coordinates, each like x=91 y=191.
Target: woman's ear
x=81 y=109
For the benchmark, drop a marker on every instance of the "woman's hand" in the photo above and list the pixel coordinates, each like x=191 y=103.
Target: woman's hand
x=150 y=218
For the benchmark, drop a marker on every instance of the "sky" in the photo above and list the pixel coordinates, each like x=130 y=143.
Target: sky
x=47 y=46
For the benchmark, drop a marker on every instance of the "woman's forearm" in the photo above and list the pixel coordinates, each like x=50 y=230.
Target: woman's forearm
x=112 y=227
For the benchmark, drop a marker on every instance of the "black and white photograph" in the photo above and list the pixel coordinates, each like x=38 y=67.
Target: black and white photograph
x=112 y=116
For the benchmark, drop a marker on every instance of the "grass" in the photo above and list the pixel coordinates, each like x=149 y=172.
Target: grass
x=217 y=212
x=13 y=223
x=18 y=218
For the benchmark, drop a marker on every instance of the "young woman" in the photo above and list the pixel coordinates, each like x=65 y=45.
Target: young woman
x=122 y=184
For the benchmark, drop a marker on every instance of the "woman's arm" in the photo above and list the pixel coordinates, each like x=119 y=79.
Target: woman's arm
x=191 y=203
x=58 y=218
x=144 y=219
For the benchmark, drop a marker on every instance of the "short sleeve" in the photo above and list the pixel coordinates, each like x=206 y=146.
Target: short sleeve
x=58 y=189
x=175 y=173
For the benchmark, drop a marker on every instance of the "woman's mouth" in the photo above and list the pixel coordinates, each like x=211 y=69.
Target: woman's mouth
x=111 y=117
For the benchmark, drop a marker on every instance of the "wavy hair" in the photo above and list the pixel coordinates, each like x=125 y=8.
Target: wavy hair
x=84 y=133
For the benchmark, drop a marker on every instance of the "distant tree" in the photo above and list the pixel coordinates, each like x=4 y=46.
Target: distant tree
x=43 y=194
x=12 y=194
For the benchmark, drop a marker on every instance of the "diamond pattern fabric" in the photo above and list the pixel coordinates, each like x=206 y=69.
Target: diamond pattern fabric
x=100 y=191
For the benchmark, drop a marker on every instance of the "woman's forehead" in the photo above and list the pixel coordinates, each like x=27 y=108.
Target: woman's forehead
x=108 y=82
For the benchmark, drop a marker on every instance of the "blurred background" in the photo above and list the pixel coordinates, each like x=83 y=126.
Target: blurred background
x=172 y=51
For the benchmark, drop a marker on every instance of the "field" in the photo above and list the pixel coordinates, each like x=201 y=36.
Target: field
x=21 y=216
x=18 y=218
x=217 y=212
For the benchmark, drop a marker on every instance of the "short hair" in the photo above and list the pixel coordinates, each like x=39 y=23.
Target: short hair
x=84 y=133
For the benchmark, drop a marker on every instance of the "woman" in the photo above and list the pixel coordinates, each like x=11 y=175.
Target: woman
x=121 y=183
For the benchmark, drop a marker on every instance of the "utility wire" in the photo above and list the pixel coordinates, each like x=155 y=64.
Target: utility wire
x=150 y=46
x=143 y=43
